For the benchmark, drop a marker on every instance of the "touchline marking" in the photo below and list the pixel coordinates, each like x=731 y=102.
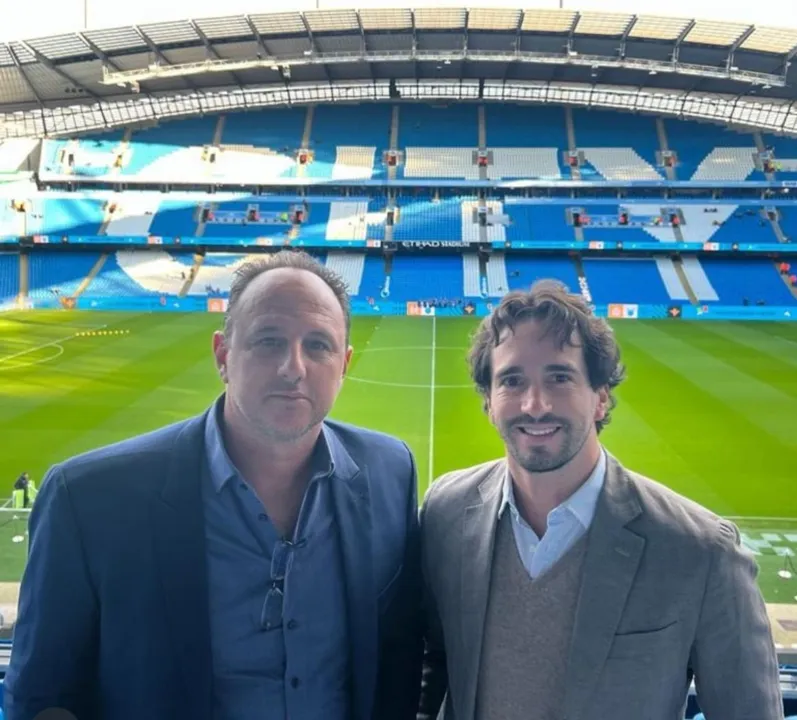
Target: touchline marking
x=431 y=404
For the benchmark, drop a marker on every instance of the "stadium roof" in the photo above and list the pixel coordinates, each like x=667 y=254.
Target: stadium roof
x=78 y=74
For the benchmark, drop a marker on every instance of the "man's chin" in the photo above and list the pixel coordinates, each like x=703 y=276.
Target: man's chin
x=540 y=461
x=287 y=434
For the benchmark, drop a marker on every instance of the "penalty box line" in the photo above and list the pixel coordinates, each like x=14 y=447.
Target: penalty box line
x=52 y=343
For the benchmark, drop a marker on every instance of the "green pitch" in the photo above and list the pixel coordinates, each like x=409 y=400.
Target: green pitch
x=708 y=408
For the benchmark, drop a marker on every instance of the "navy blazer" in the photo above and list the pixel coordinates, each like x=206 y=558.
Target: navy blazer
x=113 y=612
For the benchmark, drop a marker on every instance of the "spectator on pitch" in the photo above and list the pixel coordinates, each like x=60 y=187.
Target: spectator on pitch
x=561 y=584
x=257 y=561
x=21 y=492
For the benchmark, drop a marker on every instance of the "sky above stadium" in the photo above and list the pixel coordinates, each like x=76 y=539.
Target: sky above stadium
x=39 y=18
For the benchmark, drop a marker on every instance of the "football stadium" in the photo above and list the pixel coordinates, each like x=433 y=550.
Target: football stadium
x=436 y=157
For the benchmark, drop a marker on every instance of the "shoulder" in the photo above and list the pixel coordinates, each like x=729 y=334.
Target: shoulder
x=676 y=517
x=364 y=444
x=462 y=486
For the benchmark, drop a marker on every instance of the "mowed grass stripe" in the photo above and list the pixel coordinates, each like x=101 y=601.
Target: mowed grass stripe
x=463 y=433
x=186 y=394
x=759 y=339
x=713 y=436
x=752 y=399
x=640 y=447
x=374 y=395
x=82 y=363
x=784 y=330
x=88 y=390
x=769 y=359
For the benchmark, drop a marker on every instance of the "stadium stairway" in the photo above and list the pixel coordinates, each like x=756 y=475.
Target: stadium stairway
x=471 y=275
x=497 y=280
x=95 y=270
x=664 y=146
x=24 y=276
x=777 y=229
x=572 y=144
x=470 y=229
x=697 y=279
x=785 y=278
x=199 y=259
x=671 y=279
x=679 y=271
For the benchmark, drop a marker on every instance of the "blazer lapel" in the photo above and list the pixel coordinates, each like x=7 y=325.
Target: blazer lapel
x=352 y=502
x=179 y=544
x=478 y=540
x=613 y=555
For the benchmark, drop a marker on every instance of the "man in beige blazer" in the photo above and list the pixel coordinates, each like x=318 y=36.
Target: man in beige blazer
x=559 y=584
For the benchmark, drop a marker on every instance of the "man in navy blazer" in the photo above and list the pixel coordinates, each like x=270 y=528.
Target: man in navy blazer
x=256 y=561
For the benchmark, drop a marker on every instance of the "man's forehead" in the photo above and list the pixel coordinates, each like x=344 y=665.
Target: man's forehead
x=534 y=335
x=286 y=291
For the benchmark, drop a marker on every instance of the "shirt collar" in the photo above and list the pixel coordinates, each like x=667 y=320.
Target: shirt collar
x=222 y=468
x=581 y=504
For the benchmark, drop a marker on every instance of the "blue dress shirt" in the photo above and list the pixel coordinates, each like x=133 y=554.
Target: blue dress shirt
x=566 y=523
x=279 y=634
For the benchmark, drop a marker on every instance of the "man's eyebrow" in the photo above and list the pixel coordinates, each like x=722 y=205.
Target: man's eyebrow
x=561 y=367
x=511 y=370
x=322 y=334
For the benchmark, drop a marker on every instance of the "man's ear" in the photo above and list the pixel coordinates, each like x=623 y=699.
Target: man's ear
x=487 y=408
x=220 y=351
x=347 y=359
x=602 y=406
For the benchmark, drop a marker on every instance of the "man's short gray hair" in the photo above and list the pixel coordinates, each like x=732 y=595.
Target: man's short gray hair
x=297 y=260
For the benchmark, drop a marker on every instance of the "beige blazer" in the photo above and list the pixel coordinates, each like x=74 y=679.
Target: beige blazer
x=667 y=593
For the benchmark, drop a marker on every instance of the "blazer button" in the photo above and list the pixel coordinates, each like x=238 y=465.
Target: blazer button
x=292 y=624
x=294 y=682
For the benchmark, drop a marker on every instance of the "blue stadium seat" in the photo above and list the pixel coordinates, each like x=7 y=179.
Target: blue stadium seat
x=9 y=276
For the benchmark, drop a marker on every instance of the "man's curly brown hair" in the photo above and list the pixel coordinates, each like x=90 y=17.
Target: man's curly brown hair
x=571 y=321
